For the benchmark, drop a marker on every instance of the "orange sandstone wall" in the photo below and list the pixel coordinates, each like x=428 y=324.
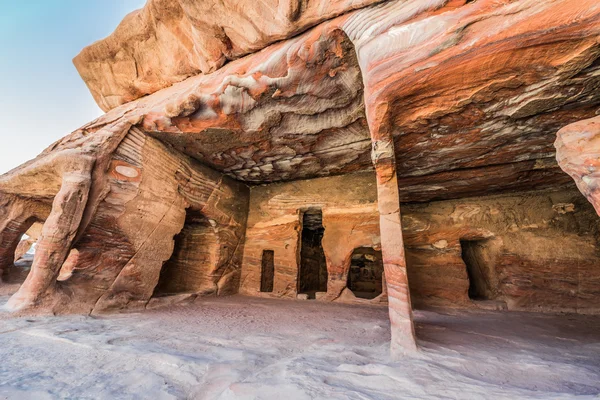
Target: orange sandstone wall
x=350 y=219
x=538 y=250
x=117 y=262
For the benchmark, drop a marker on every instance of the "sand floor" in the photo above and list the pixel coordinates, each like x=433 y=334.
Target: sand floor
x=249 y=348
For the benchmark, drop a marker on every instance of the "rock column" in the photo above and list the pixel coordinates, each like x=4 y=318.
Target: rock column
x=57 y=236
x=392 y=243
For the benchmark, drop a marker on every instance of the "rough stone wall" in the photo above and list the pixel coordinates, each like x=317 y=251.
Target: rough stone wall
x=146 y=210
x=115 y=260
x=350 y=219
x=206 y=259
x=541 y=251
x=195 y=258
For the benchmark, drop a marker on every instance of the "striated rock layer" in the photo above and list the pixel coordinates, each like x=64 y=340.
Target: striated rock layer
x=388 y=102
x=578 y=154
x=170 y=40
x=533 y=251
x=117 y=219
x=472 y=103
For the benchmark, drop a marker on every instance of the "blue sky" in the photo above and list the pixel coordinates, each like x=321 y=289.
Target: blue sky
x=42 y=98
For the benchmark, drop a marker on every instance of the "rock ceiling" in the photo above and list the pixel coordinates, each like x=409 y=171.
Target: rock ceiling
x=448 y=98
x=475 y=90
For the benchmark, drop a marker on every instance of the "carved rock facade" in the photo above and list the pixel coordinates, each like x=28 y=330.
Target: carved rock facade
x=274 y=159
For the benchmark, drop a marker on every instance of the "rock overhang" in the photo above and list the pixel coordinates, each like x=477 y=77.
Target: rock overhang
x=170 y=40
x=474 y=104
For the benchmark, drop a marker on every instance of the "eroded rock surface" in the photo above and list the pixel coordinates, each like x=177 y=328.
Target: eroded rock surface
x=535 y=251
x=443 y=99
x=348 y=205
x=474 y=94
x=26 y=244
x=132 y=203
x=170 y=40
x=578 y=154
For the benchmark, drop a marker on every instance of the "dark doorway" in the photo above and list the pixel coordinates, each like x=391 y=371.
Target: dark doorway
x=267 y=275
x=365 y=277
x=477 y=269
x=313 y=274
x=195 y=256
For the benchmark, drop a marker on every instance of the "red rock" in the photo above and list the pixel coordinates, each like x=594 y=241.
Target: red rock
x=170 y=40
x=442 y=99
x=25 y=245
x=459 y=129
x=578 y=154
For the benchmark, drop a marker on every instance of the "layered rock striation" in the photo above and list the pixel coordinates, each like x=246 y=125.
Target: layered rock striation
x=170 y=40
x=434 y=99
x=578 y=154
x=474 y=94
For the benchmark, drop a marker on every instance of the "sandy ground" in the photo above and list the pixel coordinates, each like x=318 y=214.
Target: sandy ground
x=247 y=348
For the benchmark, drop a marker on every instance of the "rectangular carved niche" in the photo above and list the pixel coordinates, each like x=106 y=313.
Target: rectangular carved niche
x=267 y=274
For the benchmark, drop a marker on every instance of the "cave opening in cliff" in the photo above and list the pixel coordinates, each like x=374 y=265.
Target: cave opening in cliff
x=194 y=256
x=477 y=269
x=267 y=274
x=22 y=255
x=365 y=276
x=23 y=259
x=313 y=273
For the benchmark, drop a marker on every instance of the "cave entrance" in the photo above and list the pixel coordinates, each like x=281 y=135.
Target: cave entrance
x=477 y=269
x=22 y=262
x=267 y=275
x=313 y=273
x=19 y=257
x=365 y=276
x=195 y=255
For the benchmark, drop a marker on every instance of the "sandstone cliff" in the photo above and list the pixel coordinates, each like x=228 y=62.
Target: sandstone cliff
x=442 y=98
